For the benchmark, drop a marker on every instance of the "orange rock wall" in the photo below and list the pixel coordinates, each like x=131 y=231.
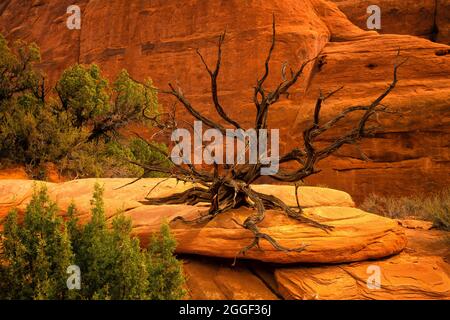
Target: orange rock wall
x=158 y=39
x=425 y=18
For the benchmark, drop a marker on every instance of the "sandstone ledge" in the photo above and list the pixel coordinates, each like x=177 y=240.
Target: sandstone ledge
x=402 y=277
x=357 y=235
x=17 y=193
x=421 y=271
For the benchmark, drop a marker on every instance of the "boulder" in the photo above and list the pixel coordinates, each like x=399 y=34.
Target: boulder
x=427 y=18
x=421 y=271
x=308 y=196
x=415 y=224
x=401 y=277
x=357 y=235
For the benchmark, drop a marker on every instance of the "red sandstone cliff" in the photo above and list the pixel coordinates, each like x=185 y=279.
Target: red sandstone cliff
x=158 y=39
x=424 y=18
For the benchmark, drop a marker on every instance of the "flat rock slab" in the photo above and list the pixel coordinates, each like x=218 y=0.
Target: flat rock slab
x=357 y=235
x=415 y=224
x=120 y=196
x=401 y=277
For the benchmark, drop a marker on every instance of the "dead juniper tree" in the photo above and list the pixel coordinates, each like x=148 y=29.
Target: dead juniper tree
x=227 y=187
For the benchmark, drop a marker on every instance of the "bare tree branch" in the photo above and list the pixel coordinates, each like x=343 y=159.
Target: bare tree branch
x=214 y=74
x=226 y=187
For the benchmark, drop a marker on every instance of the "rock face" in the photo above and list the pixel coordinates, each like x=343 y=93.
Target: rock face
x=158 y=39
x=412 y=150
x=217 y=280
x=427 y=18
x=16 y=173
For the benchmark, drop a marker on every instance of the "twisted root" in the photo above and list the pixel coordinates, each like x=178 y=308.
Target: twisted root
x=223 y=199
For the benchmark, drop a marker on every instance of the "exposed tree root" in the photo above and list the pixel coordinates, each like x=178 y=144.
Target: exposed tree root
x=224 y=199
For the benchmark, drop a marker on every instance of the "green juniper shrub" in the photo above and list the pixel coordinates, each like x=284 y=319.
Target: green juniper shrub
x=111 y=261
x=165 y=272
x=18 y=73
x=83 y=94
x=35 y=255
x=138 y=151
x=75 y=126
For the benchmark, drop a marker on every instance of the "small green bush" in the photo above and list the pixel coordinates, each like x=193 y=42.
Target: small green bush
x=165 y=273
x=83 y=94
x=18 y=74
x=35 y=255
